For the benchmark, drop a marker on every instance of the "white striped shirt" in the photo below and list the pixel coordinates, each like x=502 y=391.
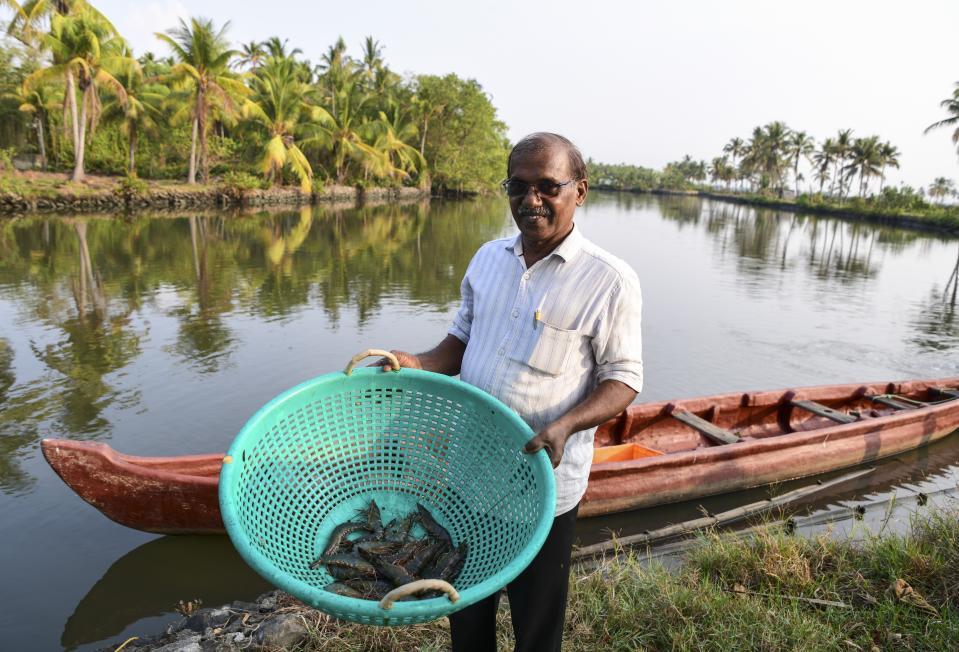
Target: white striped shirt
x=589 y=307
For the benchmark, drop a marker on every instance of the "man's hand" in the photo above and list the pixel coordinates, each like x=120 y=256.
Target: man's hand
x=444 y=358
x=553 y=438
x=406 y=360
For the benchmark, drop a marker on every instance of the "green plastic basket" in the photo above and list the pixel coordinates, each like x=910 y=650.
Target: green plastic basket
x=313 y=456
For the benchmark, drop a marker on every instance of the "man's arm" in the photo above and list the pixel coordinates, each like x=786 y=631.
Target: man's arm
x=606 y=401
x=445 y=358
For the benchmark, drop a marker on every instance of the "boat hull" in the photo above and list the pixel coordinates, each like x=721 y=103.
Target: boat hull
x=622 y=486
x=178 y=495
x=167 y=495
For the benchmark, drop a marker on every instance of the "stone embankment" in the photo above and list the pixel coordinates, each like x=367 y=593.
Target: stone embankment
x=275 y=621
x=185 y=198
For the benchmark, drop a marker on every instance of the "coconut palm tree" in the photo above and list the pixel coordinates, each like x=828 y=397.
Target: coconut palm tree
x=141 y=113
x=279 y=106
x=951 y=105
x=736 y=147
x=767 y=154
x=393 y=134
x=372 y=59
x=85 y=49
x=39 y=101
x=865 y=161
x=842 y=146
x=31 y=18
x=798 y=145
x=336 y=70
x=203 y=56
x=251 y=54
x=345 y=134
x=942 y=188
x=889 y=158
x=276 y=49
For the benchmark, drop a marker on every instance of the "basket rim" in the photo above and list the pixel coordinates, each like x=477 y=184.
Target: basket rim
x=369 y=610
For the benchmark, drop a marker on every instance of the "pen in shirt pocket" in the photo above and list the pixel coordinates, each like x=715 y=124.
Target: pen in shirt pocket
x=538 y=313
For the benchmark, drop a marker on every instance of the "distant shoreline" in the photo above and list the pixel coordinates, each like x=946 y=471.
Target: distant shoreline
x=947 y=224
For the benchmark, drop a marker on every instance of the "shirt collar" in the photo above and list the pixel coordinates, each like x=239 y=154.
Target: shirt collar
x=566 y=250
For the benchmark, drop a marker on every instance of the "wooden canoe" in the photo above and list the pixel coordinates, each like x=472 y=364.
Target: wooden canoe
x=651 y=454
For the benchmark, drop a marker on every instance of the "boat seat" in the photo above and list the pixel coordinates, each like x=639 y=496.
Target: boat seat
x=894 y=402
x=710 y=430
x=948 y=391
x=824 y=411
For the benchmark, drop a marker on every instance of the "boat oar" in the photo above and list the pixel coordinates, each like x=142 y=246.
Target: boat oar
x=687 y=527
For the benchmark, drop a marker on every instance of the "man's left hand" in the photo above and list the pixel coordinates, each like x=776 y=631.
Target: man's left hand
x=553 y=438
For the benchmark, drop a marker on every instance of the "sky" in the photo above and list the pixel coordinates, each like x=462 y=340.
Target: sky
x=643 y=82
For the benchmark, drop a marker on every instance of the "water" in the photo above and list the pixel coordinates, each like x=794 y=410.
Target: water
x=161 y=335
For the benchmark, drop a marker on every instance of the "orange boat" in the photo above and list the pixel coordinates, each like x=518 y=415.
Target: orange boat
x=651 y=454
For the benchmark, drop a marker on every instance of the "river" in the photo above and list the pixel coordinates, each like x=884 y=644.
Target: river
x=162 y=334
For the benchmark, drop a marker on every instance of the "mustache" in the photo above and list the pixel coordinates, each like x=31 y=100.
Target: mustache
x=534 y=211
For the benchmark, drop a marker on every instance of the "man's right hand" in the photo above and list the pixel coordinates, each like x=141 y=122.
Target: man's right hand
x=406 y=360
x=444 y=358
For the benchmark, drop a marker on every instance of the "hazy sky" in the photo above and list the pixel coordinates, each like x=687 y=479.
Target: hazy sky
x=644 y=82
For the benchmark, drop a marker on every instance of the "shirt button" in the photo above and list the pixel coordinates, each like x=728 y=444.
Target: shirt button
x=515 y=314
x=501 y=352
x=526 y=276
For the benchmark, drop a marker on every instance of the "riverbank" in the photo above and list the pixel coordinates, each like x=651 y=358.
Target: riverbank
x=773 y=591
x=43 y=192
x=939 y=219
x=944 y=219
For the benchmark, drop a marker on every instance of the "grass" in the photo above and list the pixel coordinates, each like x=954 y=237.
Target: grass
x=30 y=185
x=896 y=593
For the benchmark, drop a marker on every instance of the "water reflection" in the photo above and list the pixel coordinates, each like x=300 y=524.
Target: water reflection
x=142 y=584
x=88 y=286
x=763 y=239
x=937 y=325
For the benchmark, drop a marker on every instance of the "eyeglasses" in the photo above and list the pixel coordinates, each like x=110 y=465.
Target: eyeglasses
x=544 y=187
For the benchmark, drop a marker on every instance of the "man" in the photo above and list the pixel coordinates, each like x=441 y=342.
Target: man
x=550 y=325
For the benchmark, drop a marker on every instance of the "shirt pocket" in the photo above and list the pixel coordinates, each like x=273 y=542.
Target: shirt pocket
x=550 y=349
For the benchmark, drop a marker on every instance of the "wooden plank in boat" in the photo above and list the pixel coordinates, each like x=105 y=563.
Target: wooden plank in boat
x=889 y=401
x=823 y=411
x=946 y=391
x=711 y=430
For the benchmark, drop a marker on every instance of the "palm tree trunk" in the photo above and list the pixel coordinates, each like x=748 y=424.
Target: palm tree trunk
x=132 y=171
x=72 y=103
x=796 y=175
x=882 y=178
x=201 y=128
x=426 y=125
x=41 y=141
x=81 y=138
x=191 y=175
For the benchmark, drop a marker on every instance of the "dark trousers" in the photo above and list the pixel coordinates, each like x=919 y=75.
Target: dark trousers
x=537 y=600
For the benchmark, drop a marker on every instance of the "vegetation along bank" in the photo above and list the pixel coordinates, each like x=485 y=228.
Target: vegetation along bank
x=75 y=99
x=772 y=591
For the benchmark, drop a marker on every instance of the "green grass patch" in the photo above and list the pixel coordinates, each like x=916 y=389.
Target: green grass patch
x=773 y=591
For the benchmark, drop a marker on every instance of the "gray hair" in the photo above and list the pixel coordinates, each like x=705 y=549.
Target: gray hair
x=537 y=142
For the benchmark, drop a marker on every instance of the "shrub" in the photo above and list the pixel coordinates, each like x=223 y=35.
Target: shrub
x=6 y=159
x=238 y=180
x=131 y=187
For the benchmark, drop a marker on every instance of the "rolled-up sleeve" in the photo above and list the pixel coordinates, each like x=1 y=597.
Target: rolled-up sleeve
x=463 y=321
x=617 y=342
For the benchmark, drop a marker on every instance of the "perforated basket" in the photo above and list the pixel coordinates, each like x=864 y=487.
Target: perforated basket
x=316 y=454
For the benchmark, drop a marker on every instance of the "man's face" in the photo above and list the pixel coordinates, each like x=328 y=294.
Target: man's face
x=541 y=218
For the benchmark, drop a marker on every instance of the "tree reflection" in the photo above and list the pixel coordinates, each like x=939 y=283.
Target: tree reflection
x=85 y=288
x=938 y=322
x=13 y=438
